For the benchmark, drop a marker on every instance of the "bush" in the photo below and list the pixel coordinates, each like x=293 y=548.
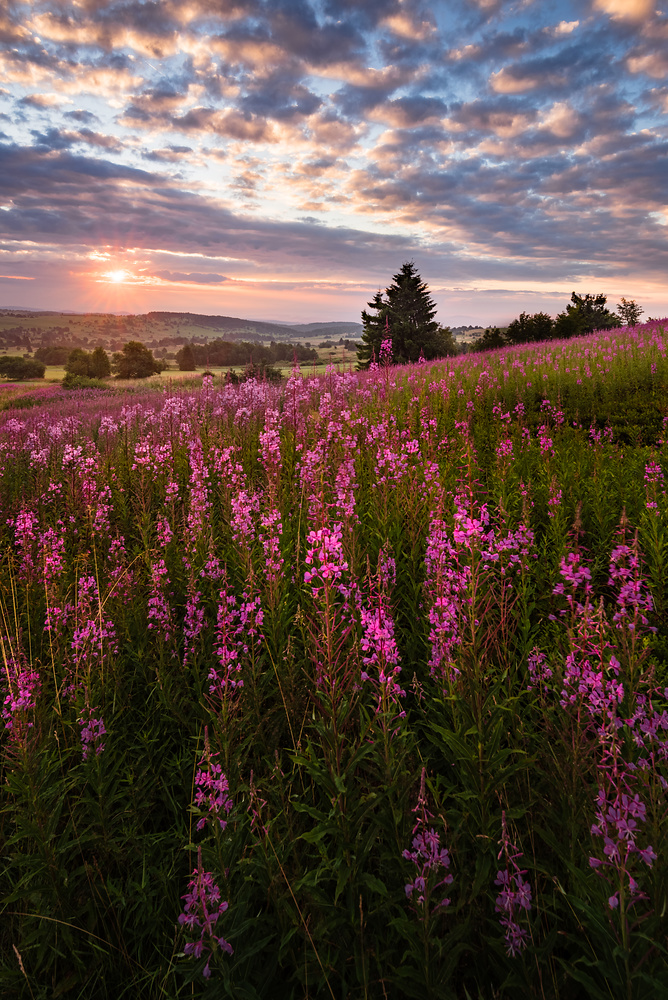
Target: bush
x=20 y=369
x=82 y=382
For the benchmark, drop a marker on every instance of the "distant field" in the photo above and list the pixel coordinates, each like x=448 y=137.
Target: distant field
x=340 y=358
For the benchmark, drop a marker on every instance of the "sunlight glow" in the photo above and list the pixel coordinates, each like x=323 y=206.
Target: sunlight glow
x=117 y=276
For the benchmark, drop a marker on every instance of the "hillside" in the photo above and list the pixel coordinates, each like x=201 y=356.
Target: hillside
x=23 y=330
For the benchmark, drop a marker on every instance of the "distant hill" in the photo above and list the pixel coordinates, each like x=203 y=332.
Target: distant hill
x=328 y=329
x=225 y=324
x=26 y=330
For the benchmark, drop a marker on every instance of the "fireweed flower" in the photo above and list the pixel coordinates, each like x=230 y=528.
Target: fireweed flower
x=654 y=486
x=446 y=584
x=94 y=632
x=22 y=686
x=52 y=554
x=325 y=555
x=649 y=726
x=272 y=529
x=539 y=672
x=431 y=861
x=92 y=731
x=386 y=351
x=25 y=533
x=554 y=499
x=577 y=578
x=244 y=510
x=211 y=798
x=225 y=676
x=202 y=910
x=514 y=895
x=379 y=645
x=250 y=622
x=270 y=448
x=160 y=617
x=633 y=596
x=194 y=622
x=199 y=505
x=345 y=486
x=620 y=813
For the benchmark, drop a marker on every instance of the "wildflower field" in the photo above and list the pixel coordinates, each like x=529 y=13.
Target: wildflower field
x=350 y=687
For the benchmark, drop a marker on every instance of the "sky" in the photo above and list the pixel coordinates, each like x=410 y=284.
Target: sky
x=281 y=159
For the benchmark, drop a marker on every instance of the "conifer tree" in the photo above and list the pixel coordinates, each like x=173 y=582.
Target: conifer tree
x=404 y=314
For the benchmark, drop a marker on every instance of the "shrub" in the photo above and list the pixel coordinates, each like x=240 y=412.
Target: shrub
x=82 y=382
x=20 y=369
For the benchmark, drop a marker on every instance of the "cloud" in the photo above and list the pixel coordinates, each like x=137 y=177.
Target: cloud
x=497 y=141
x=198 y=278
x=41 y=101
x=653 y=64
x=632 y=10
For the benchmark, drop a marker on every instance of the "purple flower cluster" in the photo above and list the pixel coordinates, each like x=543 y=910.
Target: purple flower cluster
x=92 y=731
x=514 y=895
x=159 y=612
x=212 y=797
x=619 y=813
x=431 y=860
x=633 y=597
x=202 y=909
x=325 y=555
x=654 y=486
x=22 y=685
x=194 y=621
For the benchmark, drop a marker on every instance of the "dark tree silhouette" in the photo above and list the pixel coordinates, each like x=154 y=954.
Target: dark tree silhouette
x=527 y=329
x=630 y=312
x=404 y=314
x=585 y=314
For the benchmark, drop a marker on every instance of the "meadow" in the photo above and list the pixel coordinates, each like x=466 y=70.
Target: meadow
x=350 y=687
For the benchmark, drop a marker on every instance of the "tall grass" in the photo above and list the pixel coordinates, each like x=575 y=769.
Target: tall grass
x=350 y=687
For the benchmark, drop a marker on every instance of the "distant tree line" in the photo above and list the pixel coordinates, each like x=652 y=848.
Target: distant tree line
x=584 y=314
x=224 y=353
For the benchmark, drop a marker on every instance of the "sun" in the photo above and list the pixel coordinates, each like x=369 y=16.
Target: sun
x=116 y=276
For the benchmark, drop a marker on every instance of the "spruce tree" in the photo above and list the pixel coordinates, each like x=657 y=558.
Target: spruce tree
x=404 y=315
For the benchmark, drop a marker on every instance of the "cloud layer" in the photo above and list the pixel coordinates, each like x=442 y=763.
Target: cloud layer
x=286 y=156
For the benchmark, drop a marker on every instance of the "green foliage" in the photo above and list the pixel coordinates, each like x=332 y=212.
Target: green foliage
x=491 y=340
x=325 y=774
x=260 y=371
x=585 y=314
x=72 y=381
x=629 y=312
x=135 y=361
x=79 y=363
x=404 y=315
x=528 y=329
x=55 y=355
x=100 y=366
x=17 y=369
x=185 y=359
